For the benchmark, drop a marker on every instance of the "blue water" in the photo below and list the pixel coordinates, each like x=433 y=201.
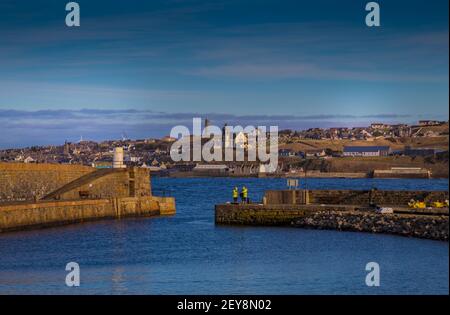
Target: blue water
x=188 y=254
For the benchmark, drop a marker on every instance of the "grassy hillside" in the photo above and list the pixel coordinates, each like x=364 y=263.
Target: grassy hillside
x=440 y=142
x=438 y=165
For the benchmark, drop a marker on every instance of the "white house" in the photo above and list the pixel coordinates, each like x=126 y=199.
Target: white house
x=366 y=151
x=29 y=160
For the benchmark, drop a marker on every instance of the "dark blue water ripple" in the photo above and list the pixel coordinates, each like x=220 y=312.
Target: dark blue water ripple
x=188 y=254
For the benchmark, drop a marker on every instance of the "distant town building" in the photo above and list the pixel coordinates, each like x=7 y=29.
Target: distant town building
x=419 y=151
x=208 y=130
x=241 y=140
x=155 y=162
x=227 y=137
x=66 y=149
x=102 y=164
x=135 y=159
x=211 y=169
x=19 y=158
x=379 y=126
x=315 y=153
x=366 y=151
x=168 y=139
x=401 y=130
x=430 y=122
x=29 y=160
x=286 y=153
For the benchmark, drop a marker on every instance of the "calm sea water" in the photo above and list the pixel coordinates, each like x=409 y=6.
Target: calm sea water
x=188 y=254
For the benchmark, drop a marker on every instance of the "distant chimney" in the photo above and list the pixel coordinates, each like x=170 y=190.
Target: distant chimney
x=118 y=158
x=206 y=131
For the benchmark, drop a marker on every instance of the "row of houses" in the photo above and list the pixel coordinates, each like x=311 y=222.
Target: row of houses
x=370 y=133
x=360 y=151
x=366 y=151
x=431 y=122
x=349 y=151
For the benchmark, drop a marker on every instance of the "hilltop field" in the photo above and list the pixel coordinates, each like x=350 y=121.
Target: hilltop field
x=438 y=165
x=440 y=143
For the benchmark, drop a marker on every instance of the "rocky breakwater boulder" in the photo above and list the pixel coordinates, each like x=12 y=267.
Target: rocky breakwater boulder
x=421 y=226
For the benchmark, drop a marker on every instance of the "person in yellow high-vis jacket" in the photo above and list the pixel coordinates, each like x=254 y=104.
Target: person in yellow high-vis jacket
x=244 y=194
x=235 y=194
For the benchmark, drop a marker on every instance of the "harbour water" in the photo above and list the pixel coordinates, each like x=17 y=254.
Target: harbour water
x=188 y=254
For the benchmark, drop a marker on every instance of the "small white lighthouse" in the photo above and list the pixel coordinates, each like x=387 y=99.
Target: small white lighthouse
x=118 y=158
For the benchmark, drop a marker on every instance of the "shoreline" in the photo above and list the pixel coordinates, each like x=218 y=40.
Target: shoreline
x=337 y=218
x=322 y=175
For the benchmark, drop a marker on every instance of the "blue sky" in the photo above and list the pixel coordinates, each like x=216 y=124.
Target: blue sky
x=144 y=66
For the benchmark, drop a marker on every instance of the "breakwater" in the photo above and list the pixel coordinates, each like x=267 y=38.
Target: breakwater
x=342 y=218
x=343 y=210
x=22 y=181
x=351 y=197
x=42 y=214
x=81 y=194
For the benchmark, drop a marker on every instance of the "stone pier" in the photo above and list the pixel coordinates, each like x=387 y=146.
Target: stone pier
x=343 y=211
x=74 y=195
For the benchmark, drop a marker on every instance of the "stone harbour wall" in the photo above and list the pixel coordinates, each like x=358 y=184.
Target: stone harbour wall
x=380 y=197
x=343 y=218
x=41 y=214
x=41 y=195
x=422 y=226
x=21 y=181
x=352 y=197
